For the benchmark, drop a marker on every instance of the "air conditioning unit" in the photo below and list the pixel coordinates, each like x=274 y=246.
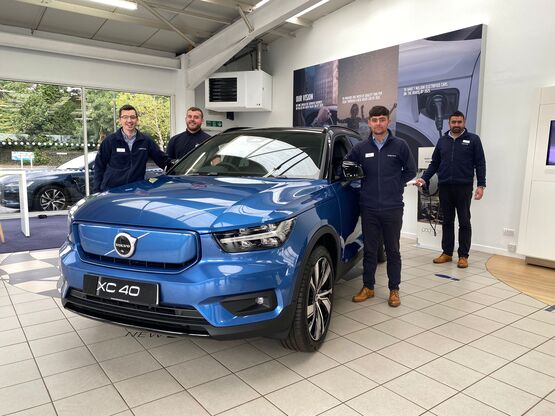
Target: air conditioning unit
x=238 y=91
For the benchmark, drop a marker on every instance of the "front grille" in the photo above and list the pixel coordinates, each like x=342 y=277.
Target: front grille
x=106 y=260
x=185 y=319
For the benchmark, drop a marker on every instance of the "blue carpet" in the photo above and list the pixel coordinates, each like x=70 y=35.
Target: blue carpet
x=49 y=232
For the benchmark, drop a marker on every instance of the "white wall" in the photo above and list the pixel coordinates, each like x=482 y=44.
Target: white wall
x=27 y=65
x=519 y=59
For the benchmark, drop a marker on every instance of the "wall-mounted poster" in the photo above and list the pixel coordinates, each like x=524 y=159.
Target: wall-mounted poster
x=422 y=82
x=365 y=81
x=316 y=95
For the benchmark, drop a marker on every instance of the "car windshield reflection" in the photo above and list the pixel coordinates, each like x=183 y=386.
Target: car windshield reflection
x=78 y=162
x=273 y=154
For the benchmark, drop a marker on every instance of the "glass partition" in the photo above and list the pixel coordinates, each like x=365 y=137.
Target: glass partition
x=41 y=131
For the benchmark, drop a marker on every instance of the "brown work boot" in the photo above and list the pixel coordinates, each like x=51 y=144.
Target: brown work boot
x=462 y=263
x=444 y=258
x=394 y=299
x=364 y=294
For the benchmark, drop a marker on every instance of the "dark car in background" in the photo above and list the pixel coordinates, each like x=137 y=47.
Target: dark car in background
x=49 y=190
x=54 y=189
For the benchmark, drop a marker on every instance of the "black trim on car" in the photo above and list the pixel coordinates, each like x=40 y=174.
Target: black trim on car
x=177 y=321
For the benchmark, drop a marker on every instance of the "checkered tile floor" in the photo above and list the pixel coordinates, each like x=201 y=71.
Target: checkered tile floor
x=462 y=344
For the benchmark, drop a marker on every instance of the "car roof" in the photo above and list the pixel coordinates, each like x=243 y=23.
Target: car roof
x=316 y=130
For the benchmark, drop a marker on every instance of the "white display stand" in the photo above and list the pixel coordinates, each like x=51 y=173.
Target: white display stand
x=537 y=225
x=23 y=204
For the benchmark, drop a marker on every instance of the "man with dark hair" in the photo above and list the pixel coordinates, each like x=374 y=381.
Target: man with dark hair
x=183 y=143
x=122 y=156
x=388 y=165
x=457 y=155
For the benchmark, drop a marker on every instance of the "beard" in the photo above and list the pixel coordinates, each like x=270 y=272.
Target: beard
x=193 y=127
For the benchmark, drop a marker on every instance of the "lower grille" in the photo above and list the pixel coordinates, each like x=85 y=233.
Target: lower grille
x=184 y=320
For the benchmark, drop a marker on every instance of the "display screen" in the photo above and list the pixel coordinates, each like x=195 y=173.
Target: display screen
x=551 y=145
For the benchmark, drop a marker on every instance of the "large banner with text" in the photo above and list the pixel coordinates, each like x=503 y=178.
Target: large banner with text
x=421 y=82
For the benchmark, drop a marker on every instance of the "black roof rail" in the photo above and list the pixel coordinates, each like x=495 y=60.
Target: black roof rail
x=233 y=129
x=342 y=127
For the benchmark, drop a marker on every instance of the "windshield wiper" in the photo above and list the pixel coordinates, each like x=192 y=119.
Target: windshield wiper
x=284 y=162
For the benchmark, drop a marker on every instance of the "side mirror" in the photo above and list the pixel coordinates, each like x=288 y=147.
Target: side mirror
x=351 y=171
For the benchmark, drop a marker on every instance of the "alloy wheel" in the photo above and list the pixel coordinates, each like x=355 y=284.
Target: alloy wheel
x=52 y=199
x=318 y=312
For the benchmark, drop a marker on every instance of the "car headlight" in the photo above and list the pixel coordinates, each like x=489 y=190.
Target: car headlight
x=71 y=215
x=255 y=238
x=14 y=186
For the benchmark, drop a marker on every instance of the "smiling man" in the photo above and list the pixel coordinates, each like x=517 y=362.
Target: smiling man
x=183 y=143
x=388 y=165
x=122 y=156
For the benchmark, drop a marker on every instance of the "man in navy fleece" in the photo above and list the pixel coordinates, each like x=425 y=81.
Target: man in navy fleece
x=457 y=155
x=388 y=165
x=123 y=155
x=183 y=143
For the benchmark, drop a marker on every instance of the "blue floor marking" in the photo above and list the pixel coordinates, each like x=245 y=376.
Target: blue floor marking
x=444 y=276
x=550 y=308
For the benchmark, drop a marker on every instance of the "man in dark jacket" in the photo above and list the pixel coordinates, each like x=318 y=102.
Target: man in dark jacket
x=122 y=156
x=388 y=165
x=457 y=155
x=183 y=143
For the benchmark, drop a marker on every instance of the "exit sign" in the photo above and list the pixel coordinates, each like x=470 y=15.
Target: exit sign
x=214 y=123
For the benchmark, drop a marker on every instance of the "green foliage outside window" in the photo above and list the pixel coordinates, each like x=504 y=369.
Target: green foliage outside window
x=47 y=118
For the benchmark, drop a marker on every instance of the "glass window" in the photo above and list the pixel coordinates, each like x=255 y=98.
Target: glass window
x=41 y=131
x=102 y=114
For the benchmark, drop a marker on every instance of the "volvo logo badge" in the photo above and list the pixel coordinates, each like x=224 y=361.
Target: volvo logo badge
x=124 y=244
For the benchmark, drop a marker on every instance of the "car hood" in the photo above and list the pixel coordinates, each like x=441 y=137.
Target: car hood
x=204 y=204
x=428 y=62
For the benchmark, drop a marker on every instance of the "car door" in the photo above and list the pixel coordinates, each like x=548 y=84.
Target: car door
x=347 y=194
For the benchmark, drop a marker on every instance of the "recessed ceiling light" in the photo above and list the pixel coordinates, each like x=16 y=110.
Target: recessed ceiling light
x=305 y=11
x=123 y=4
x=260 y=3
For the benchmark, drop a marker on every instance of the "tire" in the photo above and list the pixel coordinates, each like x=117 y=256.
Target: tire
x=51 y=198
x=314 y=304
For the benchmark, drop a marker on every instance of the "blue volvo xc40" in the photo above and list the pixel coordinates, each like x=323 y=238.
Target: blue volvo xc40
x=245 y=236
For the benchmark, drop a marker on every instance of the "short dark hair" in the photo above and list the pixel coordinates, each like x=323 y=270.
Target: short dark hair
x=195 y=109
x=457 y=114
x=127 y=107
x=378 y=110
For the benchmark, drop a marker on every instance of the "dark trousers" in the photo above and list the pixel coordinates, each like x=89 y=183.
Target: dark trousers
x=456 y=198
x=388 y=223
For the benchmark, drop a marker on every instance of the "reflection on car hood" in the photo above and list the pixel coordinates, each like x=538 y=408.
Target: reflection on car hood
x=202 y=203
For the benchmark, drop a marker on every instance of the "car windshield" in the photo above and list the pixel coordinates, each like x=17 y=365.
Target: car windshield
x=78 y=162
x=284 y=154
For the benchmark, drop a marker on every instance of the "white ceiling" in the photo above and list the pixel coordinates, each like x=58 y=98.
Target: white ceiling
x=143 y=30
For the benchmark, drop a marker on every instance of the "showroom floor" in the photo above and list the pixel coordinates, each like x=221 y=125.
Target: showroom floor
x=462 y=343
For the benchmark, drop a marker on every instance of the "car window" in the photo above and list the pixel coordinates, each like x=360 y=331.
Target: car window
x=353 y=140
x=267 y=153
x=341 y=147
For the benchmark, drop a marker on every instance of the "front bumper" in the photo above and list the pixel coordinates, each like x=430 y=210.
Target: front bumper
x=180 y=321
x=195 y=300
